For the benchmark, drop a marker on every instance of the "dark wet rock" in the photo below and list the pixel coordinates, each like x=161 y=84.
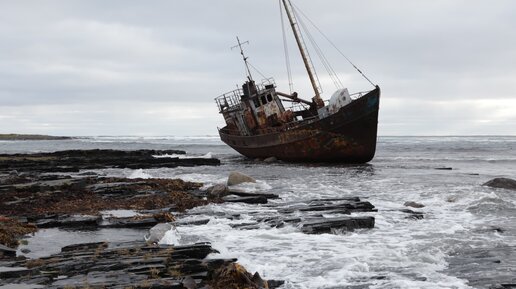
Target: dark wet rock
x=413 y=204
x=130 y=264
x=327 y=225
x=84 y=246
x=6 y=252
x=14 y=273
x=236 y=178
x=340 y=206
x=444 y=168
x=503 y=183
x=129 y=222
x=75 y=160
x=491 y=229
x=413 y=214
x=217 y=191
x=275 y=283
x=503 y=286
x=248 y=200
x=67 y=221
x=255 y=194
x=324 y=215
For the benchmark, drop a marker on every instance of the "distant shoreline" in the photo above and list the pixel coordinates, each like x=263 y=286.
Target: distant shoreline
x=13 y=136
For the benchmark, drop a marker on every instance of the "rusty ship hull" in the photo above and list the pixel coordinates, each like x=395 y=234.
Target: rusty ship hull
x=347 y=136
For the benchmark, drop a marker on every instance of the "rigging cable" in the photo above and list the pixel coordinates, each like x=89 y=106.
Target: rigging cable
x=331 y=72
x=285 y=47
x=334 y=46
x=261 y=74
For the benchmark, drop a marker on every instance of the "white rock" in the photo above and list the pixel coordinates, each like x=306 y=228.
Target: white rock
x=236 y=178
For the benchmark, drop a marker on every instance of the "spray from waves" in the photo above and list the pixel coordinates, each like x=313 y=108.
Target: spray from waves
x=182 y=156
x=139 y=174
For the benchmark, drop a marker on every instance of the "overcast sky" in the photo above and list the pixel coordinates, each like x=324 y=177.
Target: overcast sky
x=446 y=67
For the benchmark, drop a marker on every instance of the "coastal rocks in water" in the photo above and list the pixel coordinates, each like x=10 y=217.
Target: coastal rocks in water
x=413 y=204
x=493 y=267
x=236 y=178
x=328 y=225
x=131 y=265
x=444 y=168
x=75 y=160
x=66 y=221
x=270 y=160
x=157 y=232
x=414 y=215
x=6 y=252
x=258 y=199
x=11 y=230
x=217 y=191
x=236 y=276
x=503 y=183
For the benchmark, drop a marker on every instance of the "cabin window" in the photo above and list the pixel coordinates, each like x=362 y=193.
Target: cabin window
x=269 y=97
x=263 y=99
x=256 y=102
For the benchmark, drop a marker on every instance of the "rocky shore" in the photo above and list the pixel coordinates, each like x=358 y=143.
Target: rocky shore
x=51 y=190
x=13 y=136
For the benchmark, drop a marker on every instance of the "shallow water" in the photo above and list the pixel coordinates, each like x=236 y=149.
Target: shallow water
x=460 y=214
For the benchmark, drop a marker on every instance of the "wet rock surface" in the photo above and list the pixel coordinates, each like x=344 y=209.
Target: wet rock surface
x=318 y=216
x=502 y=183
x=75 y=160
x=130 y=265
x=35 y=196
x=469 y=264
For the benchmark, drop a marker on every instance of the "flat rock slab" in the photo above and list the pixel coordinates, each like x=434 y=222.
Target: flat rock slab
x=75 y=160
x=124 y=265
x=248 y=200
x=67 y=221
x=6 y=252
x=328 y=225
x=312 y=217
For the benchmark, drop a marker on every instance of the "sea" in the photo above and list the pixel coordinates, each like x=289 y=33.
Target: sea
x=466 y=238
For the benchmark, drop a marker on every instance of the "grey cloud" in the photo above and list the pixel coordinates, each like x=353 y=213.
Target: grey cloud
x=56 y=55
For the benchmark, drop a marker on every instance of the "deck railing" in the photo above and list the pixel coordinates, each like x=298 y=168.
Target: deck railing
x=232 y=100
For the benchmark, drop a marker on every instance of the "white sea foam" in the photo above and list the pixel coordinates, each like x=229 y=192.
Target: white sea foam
x=185 y=156
x=120 y=213
x=139 y=174
x=323 y=261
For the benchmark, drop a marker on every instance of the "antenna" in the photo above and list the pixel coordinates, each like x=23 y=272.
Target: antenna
x=243 y=57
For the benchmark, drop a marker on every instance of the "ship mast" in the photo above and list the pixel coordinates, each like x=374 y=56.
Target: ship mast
x=244 y=57
x=304 y=52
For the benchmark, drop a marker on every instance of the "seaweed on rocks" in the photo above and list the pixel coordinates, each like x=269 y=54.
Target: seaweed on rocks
x=11 y=230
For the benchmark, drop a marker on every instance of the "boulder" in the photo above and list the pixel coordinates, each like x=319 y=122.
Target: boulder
x=236 y=178
x=413 y=204
x=503 y=183
x=270 y=160
x=326 y=225
x=217 y=191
